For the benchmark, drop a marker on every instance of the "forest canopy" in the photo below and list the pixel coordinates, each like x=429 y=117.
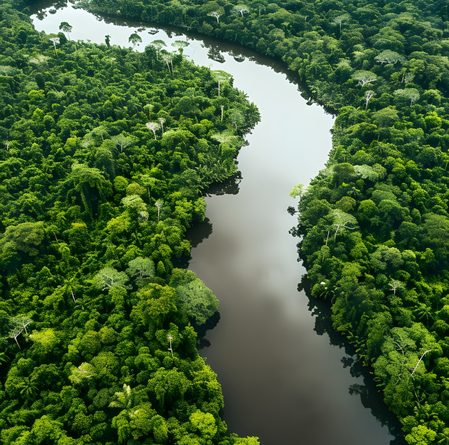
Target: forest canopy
x=105 y=156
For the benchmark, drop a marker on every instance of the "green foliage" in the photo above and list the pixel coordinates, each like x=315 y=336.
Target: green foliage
x=96 y=343
x=193 y=296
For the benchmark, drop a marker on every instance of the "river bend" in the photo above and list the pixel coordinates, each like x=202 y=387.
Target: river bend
x=281 y=380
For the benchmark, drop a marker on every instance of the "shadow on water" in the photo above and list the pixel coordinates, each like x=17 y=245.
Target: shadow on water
x=229 y=187
x=199 y=232
x=370 y=396
x=202 y=330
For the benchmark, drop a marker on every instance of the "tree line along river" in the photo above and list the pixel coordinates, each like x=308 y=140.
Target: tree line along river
x=286 y=375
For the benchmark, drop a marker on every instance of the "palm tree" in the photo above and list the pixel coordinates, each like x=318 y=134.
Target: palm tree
x=3 y=358
x=424 y=312
x=28 y=388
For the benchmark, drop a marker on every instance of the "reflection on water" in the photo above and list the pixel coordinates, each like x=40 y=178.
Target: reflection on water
x=228 y=187
x=200 y=232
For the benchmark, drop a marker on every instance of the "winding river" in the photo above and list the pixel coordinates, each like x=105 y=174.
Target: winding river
x=286 y=375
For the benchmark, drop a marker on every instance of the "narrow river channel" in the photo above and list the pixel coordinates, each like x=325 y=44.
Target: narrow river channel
x=285 y=379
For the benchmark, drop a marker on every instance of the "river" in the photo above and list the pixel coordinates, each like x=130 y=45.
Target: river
x=286 y=376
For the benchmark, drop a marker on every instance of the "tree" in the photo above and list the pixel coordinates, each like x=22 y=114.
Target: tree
x=395 y=285
x=204 y=423
x=436 y=232
x=123 y=399
x=22 y=322
x=24 y=238
x=136 y=205
x=168 y=59
x=340 y=222
x=216 y=15
x=246 y=441
x=134 y=39
x=109 y=277
x=122 y=141
x=420 y=360
x=46 y=339
x=369 y=94
x=161 y=123
x=388 y=56
x=180 y=45
x=364 y=77
x=340 y=19
x=411 y=95
x=14 y=333
x=298 y=191
x=158 y=45
x=194 y=297
x=55 y=41
x=236 y=118
x=421 y=435
x=46 y=430
x=168 y=385
x=28 y=388
x=83 y=372
x=221 y=77
x=65 y=27
x=241 y=9
x=158 y=205
x=153 y=126
x=141 y=269
x=170 y=340
x=88 y=182
x=386 y=116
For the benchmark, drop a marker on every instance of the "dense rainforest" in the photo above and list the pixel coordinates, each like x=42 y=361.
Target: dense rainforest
x=105 y=155
x=374 y=224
